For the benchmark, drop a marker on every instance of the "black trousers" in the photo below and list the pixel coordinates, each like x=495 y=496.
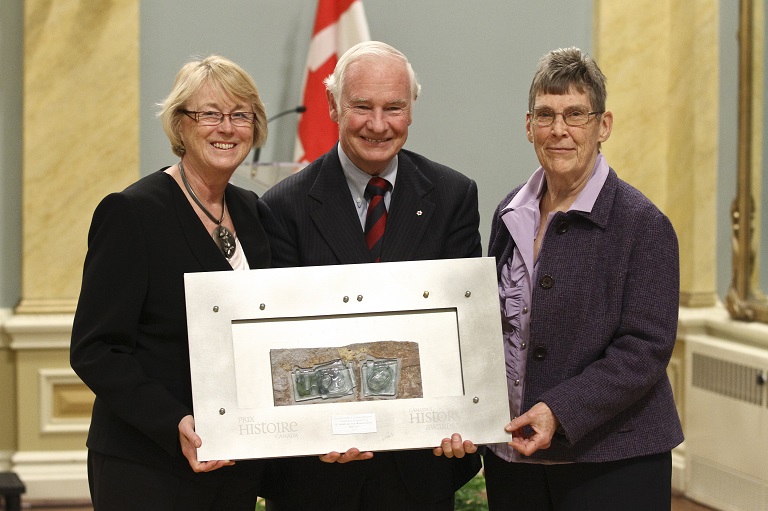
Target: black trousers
x=121 y=485
x=635 y=484
x=378 y=486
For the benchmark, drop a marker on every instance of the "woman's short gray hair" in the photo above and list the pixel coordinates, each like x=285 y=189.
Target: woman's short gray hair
x=564 y=69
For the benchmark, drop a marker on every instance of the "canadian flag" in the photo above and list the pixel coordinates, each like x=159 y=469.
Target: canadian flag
x=339 y=25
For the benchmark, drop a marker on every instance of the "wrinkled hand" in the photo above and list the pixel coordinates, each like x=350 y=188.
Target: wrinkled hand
x=544 y=424
x=190 y=441
x=454 y=447
x=352 y=454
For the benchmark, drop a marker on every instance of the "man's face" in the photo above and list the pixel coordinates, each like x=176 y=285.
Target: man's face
x=374 y=112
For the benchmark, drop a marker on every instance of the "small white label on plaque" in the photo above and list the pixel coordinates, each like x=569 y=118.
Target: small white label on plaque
x=353 y=424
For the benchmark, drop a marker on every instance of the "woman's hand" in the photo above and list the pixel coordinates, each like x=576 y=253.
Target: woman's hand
x=544 y=424
x=190 y=441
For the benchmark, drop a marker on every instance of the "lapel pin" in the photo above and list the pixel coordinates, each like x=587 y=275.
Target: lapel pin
x=419 y=213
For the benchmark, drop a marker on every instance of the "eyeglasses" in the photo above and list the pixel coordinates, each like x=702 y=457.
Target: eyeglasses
x=544 y=117
x=213 y=118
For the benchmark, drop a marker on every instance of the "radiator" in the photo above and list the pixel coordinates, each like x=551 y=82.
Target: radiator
x=726 y=424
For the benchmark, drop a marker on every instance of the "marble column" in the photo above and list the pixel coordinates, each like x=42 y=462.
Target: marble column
x=80 y=142
x=661 y=61
x=81 y=135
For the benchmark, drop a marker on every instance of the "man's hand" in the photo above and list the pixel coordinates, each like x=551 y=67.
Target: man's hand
x=352 y=454
x=454 y=447
x=190 y=441
x=544 y=424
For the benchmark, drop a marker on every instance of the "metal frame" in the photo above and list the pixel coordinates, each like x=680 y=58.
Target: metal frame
x=449 y=306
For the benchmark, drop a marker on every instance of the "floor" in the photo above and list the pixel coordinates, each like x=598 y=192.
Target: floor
x=683 y=504
x=678 y=504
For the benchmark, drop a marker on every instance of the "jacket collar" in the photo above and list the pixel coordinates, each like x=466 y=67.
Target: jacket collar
x=601 y=211
x=336 y=218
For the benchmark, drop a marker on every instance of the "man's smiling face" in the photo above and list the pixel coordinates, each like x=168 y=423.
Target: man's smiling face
x=374 y=112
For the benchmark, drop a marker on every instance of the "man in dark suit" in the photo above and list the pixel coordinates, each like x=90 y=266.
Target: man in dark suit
x=318 y=217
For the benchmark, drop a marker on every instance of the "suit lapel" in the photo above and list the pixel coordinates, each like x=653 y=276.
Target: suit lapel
x=334 y=213
x=409 y=213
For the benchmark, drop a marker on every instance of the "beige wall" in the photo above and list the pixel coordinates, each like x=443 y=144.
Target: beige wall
x=51 y=398
x=80 y=142
x=81 y=87
x=7 y=398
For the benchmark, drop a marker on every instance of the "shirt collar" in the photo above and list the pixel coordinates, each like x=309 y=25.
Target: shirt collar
x=586 y=199
x=532 y=189
x=358 y=179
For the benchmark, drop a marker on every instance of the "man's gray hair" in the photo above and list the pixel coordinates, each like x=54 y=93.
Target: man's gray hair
x=334 y=83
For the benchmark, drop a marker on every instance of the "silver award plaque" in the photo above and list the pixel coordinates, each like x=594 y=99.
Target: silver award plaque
x=381 y=356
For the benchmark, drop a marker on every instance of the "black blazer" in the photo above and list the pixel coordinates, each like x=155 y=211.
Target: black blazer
x=312 y=221
x=129 y=337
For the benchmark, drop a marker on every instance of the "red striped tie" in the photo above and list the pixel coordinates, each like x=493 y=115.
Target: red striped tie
x=376 y=219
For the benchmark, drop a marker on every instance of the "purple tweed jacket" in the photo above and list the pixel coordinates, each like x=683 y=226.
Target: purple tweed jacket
x=603 y=326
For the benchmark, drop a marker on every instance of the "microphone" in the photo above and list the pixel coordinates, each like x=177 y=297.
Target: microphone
x=297 y=110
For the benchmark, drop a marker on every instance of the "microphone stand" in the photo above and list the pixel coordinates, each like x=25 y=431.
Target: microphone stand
x=298 y=110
